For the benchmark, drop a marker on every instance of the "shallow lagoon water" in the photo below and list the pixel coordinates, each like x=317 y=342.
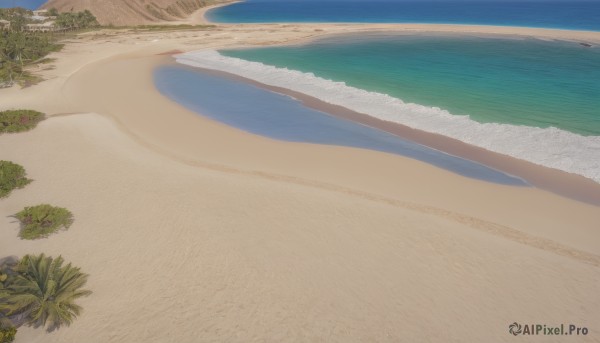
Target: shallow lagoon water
x=262 y=112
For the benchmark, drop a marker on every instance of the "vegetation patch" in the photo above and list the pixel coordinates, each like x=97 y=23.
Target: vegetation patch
x=46 y=60
x=12 y=176
x=166 y=27
x=25 y=41
x=19 y=49
x=7 y=335
x=41 y=291
x=43 y=220
x=75 y=20
x=19 y=120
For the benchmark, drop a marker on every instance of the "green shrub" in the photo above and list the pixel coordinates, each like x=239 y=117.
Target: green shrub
x=43 y=220
x=12 y=176
x=7 y=335
x=44 y=291
x=19 y=120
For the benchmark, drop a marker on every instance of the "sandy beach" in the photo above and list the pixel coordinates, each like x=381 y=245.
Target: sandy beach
x=195 y=231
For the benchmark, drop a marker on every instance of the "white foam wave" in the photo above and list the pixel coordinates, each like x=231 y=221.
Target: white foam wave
x=550 y=147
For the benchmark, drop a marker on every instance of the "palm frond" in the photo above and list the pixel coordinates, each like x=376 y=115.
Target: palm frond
x=46 y=291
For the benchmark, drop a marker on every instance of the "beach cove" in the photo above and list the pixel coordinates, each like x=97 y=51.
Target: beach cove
x=273 y=240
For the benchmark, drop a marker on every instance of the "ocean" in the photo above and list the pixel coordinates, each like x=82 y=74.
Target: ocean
x=492 y=80
x=581 y=15
x=532 y=99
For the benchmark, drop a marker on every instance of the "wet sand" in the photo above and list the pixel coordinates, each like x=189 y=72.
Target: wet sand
x=556 y=181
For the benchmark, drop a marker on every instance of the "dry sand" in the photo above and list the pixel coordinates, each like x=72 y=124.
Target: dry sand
x=193 y=231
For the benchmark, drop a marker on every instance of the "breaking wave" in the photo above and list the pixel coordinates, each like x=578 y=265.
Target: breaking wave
x=550 y=147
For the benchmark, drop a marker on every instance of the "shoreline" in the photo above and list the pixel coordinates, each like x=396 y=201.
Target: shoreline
x=334 y=165
x=441 y=32
x=147 y=46
x=460 y=29
x=201 y=15
x=576 y=35
x=566 y=184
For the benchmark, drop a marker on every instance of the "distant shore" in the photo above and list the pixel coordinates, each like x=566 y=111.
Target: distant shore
x=489 y=13
x=199 y=16
x=582 y=36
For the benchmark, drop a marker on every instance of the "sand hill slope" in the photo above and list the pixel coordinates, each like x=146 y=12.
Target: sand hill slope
x=132 y=12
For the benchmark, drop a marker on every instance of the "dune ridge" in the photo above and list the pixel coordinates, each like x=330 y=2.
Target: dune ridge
x=133 y=12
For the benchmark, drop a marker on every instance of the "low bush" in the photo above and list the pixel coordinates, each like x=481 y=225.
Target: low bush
x=43 y=220
x=7 y=335
x=43 y=292
x=12 y=176
x=19 y=120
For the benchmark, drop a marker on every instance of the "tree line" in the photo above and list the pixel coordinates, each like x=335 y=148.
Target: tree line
x=76 y=20
x=20 y=17
x=19 y=47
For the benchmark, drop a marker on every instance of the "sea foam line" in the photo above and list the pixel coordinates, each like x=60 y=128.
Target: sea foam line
x=550 y=147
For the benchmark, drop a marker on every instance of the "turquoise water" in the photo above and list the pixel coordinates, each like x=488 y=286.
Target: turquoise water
x=581 y=15
x=512 y=81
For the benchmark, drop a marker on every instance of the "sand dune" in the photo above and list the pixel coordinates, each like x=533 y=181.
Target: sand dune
x=133 y=12
x=193 y=231
x=185 y=254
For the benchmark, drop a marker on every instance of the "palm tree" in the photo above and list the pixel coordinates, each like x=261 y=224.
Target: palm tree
x=5 y=322
x=44 y=292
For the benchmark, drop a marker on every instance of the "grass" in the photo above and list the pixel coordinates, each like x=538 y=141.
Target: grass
x=12 y=121
x=28 y=79
x=171 y=27
x=45 y=60
x=12 y=176
x=20 y=50
x=43 y=220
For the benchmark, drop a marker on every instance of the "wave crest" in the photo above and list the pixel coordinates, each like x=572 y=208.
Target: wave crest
x=550 y=147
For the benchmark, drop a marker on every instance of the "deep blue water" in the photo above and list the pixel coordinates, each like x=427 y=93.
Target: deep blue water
x=29 y=4
x=277 y=116
x=580 y=15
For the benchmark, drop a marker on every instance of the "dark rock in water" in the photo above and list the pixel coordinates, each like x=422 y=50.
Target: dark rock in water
x=587 y=45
